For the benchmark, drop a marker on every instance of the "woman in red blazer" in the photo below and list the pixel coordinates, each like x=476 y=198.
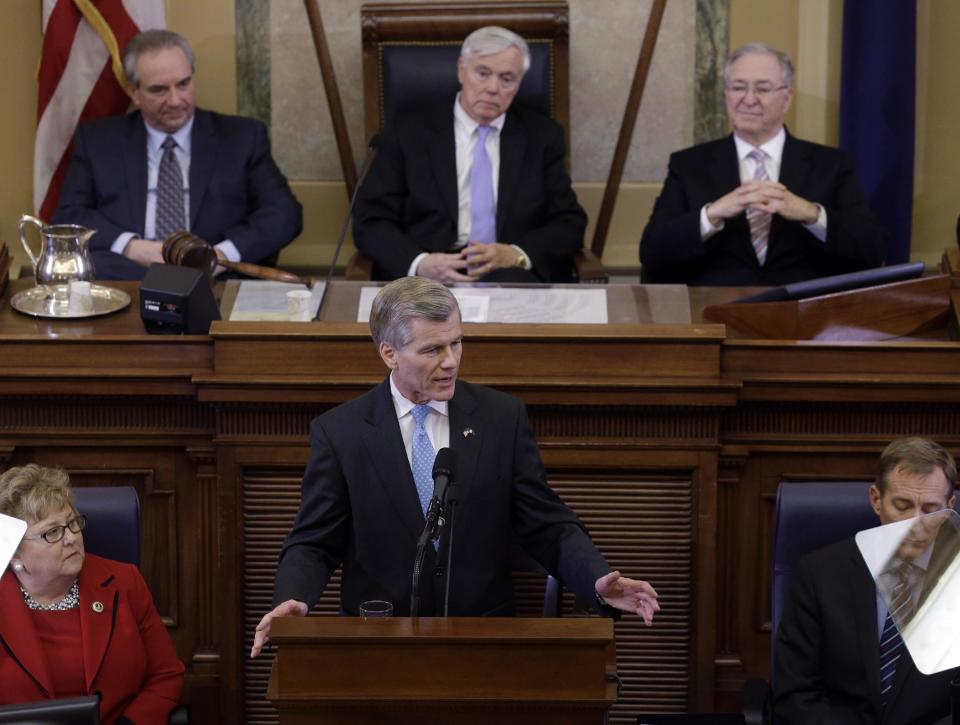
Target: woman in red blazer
x=74 y=623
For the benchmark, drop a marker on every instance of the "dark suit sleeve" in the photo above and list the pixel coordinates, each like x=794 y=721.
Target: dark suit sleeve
x=378 y=216
x=79 y=201
x=315 y=546
x=546 y=527
x=160 y=691
x=800 y=697
x=853 y=233
x=274 y=217
x=554 y=233
x=672 y=236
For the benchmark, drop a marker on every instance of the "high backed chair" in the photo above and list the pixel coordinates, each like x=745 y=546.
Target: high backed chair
x=410 y=53
x=808 y=516
x=113 y=521
x=113 y=532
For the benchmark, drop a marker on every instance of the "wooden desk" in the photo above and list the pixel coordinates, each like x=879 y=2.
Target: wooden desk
x=668 y=440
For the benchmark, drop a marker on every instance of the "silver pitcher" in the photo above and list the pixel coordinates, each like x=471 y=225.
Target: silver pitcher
x=63 y=256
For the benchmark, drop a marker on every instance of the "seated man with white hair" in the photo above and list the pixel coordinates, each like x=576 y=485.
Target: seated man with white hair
x=474 y=188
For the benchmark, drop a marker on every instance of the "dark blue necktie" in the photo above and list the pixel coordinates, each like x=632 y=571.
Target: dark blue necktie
x=891 y=643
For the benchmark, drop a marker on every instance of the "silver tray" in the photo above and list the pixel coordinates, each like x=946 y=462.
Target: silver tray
x=53 y=301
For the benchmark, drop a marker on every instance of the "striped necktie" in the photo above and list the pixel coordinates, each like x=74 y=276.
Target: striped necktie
x=170 y=216
x=891 y=643
x=759 y=220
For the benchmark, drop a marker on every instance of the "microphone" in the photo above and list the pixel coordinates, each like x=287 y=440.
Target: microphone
x=443 y=466
x=361 y=177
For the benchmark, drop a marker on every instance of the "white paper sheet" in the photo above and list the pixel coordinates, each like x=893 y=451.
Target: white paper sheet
x=538 y=305
x=11 y=532
x=932 y=633
x=259 y=300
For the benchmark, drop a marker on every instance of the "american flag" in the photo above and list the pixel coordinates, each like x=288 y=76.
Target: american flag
x=81 y=78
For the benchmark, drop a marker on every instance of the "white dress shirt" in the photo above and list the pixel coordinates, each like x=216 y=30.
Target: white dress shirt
x=773 y=149
x=465 y=138
x=437 y=422
x=155 y=141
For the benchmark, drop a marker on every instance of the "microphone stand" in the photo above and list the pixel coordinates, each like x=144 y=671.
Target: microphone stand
x=452 y=501
x=431 y=532
x=364 y=170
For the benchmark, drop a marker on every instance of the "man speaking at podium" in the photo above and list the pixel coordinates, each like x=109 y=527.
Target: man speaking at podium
x=368 y=484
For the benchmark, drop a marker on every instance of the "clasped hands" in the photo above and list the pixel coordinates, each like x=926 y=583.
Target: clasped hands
x=628 y=595
x=469 y=264
x=768 y=196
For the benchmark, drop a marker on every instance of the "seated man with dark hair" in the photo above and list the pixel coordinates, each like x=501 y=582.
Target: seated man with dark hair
x=477 y=191
x=838 y=656
x=171 y=166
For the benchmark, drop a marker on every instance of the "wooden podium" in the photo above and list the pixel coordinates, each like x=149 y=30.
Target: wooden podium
x=442 y=670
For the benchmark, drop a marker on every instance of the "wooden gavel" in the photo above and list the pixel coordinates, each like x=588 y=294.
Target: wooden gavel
x=186 y=250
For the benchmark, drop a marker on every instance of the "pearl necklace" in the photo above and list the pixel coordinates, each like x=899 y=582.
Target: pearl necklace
x=70 y=600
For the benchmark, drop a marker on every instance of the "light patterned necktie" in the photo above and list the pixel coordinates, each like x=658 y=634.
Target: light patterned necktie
x=170 y=216
x=422 y=457
x=891 y=643
x=483 y=208
x=759 y=220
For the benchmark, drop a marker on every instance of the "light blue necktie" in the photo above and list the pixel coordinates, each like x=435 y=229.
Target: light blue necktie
x=483 y=208
x=422 y=457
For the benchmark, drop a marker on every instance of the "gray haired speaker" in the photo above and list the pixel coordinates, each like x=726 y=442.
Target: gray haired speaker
x=177 y=300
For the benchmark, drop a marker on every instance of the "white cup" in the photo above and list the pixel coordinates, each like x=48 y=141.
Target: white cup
x=298 y=305
x=80 y=297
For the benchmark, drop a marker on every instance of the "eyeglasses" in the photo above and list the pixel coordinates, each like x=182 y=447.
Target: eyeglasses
x=760 y=90
x=55 y=533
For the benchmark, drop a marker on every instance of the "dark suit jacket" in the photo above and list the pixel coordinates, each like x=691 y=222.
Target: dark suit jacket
x=409 y=202
x=826 y=659
x=236 y=190
x=359 y=508
x=672 y=250
x=127 y=654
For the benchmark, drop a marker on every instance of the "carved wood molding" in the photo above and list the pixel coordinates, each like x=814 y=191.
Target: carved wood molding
x=267 y=420
x=69 y=414
x=730 y=470
x=840 y=422
x=206 y=655
x=625 y=422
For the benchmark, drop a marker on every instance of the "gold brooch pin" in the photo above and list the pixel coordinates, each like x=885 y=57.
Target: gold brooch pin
x=97 y=607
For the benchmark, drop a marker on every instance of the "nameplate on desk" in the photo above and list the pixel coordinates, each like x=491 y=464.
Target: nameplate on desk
x=529 y=305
